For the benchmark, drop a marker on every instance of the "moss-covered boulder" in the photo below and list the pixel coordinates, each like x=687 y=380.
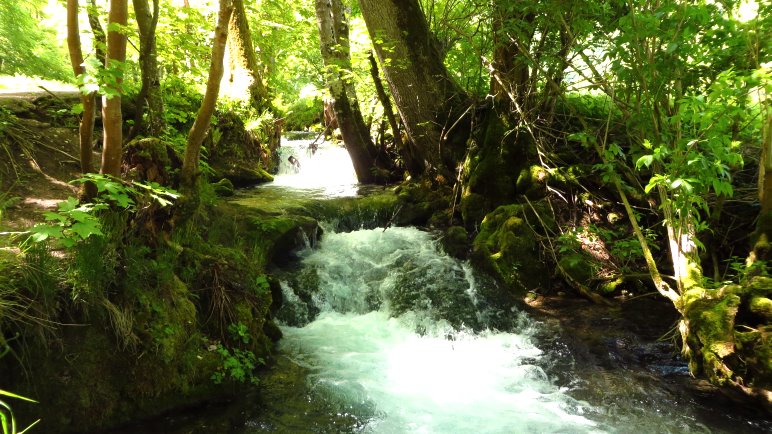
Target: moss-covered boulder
x=243 y=156
x=727 y=336
x=455 y=242
x=507 y=246
x=223 y=188
x=243 y=174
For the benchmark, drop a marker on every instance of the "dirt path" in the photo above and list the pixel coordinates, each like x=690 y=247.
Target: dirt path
x=38 y=152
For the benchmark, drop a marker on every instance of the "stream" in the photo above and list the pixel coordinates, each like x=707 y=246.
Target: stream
x=385 y=333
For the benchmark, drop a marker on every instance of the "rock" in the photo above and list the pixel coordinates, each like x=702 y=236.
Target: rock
x=242 y=175
x=456 y=243
x=507 y=247
x=762 y=307
x=223 y=187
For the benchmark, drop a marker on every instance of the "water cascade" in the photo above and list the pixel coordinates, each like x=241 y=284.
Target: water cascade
x=393 y=342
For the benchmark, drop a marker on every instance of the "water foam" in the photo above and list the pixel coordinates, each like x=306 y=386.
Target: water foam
x=415 y=371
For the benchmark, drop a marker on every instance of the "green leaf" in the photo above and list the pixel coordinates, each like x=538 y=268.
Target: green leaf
x=68 y=205
x=86 y=229
x=49 y=216
x=645 y=161
x=13 y=395
x=42 y=232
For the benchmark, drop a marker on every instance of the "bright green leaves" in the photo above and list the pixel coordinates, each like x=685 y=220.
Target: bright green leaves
x=75 y=221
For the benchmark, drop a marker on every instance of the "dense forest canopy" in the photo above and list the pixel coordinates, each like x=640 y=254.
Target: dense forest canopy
x=625 y=143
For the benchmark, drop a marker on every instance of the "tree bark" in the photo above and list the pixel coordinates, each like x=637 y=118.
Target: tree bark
x=150 y=92
x=510 y=63
x=86 y=129
x=410 y=160
x=430 y=103
x=112 y=117
x=333 y=34
x=190 y=165
x=243 y=76
x=100 y=41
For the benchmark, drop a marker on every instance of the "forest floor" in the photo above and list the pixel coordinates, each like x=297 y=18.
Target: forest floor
x=41 y=148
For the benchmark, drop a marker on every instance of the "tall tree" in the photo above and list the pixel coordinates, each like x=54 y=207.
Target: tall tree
x=112 y=117
x=430 y=102
x=86 y=129
x=334 y=38
x=190 y=165
x=243 y=75
x=150 y=92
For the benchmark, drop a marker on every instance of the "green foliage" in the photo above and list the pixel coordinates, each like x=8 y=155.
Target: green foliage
x=7 y=419
x=237 y=364
x=27 y=44
x=75 y=221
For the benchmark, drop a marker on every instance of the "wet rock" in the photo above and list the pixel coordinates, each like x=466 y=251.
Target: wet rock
x=455 y=242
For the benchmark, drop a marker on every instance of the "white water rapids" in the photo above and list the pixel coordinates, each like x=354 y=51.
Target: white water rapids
x=413 y=372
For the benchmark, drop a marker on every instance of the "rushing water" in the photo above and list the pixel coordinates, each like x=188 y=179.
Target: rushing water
x=384 y=349
x=323 y=168
x=384 y=333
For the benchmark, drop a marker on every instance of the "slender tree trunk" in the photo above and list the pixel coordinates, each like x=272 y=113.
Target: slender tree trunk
x=243 y=75
x=88 y=100
x=762 y=244
x=190 y=165
x=112 y=117
x=333 y=34
x=430 y=103
x=150 y=93
x=100 y=41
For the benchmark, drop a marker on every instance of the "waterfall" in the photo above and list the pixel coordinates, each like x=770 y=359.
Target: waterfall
x=391 y=333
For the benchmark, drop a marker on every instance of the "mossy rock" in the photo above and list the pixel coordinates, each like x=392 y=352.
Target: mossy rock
x=224 y=188
x=455 y=242
x=761 y=307
x=506 y=246
x=243 y=175
x=532 y=181
x=472 y=208
x=150 y=159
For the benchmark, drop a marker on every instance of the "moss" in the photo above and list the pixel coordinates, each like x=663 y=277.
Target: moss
x=455 y=242
x=472 y=208
x=612 y=286
x=506 y=246
x=579 y=267
x=150 y=159
x=532 y=181
x=762 y=307
x=223 y=187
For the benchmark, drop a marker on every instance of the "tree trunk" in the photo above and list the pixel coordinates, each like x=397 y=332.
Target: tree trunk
x=112 y=118
x=430 y=103
x=88 y=100
x=100 y=41
x=411 y=164
x=243 y=76
x=190 y=165
x=509 y=61
x=333 y=34
x=762 y=238
x=150 y=92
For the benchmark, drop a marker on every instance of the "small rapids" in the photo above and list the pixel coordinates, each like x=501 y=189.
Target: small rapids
x=391 y=346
